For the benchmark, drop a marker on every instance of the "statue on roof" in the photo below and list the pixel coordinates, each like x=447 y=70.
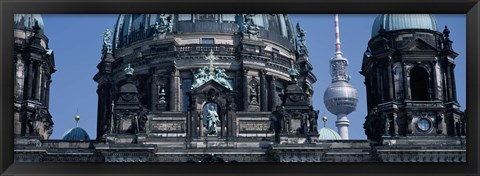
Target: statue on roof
x=107 y=43
x=164 y=24
x=301 y=41
x=248 y=26
x=293 y=72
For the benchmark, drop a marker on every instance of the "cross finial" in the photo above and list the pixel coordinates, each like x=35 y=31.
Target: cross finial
x=211 y=57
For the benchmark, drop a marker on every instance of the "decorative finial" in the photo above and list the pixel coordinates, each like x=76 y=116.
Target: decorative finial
x=324 y=118
x=129 y=70
x=77 y=118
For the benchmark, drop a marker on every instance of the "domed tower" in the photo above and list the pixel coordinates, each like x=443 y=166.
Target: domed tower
x=340 y=98
x=326 y=133
x=34 y=65
x=235 y=64
x=77 y=133
x=409 y=78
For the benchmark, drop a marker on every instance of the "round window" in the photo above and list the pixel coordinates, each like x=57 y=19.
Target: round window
x=423 y=124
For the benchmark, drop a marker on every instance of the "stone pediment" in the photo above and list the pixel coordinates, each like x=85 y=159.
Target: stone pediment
x=211 y=84
x=205 y=74
x=419 y=45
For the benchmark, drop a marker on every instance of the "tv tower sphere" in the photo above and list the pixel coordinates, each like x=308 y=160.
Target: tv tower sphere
x=340 y=98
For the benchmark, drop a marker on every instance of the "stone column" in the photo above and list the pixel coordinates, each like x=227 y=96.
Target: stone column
x=44 y=86
x=245 y=89
x=30 y=75
x=449 y=83
x=47 y=93
x=223 y=125
x=100 y=112
x=263 y=91
x=380 y=72
x=173 y=88
x=406 y=82
x=177 y=90
x=438 y=82
x=390 y=83
x=200 y=124
x=38 y=80
x=273 y=94
x=155 y=86
x=454 y=87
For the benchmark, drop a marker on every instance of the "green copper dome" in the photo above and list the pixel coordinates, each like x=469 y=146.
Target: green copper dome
x=328 y=134
x=392 y=22
x=76 y=134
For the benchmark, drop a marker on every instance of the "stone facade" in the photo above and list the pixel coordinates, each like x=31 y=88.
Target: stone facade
x=34 y=64
x=153 y=108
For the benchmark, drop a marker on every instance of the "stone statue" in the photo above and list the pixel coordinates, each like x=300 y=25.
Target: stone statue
x=164 y=24
x=212 y=120
x=249 y=25
x=302 y=42
x=312 y=120
x=44 y=126
x=276 y=121
x=221 y=77
x=293 y=72
x=201 y=77
x=284 y=119
x=253 y=95
x=107 y=44
x=204 y=75
x=387 y=126
x=142 y=121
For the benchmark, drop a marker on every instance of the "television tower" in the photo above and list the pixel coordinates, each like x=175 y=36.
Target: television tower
x=340 y=98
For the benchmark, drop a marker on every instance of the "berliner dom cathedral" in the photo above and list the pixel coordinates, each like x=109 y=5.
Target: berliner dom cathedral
x=239 y=88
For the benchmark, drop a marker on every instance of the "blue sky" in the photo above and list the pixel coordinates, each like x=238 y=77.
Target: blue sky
x=77 y=43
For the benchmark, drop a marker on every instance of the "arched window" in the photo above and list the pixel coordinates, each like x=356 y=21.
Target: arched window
x=419 y=84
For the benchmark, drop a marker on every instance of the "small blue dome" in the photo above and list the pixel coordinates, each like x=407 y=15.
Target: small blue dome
x=76 y=134
x=22 y=21
x=328 y=134
x=392 y=22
